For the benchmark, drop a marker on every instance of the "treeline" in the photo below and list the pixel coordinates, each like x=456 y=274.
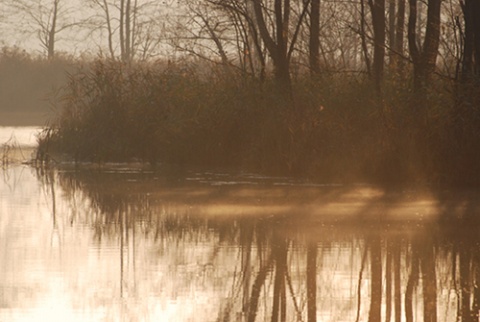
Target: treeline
x=379 y=37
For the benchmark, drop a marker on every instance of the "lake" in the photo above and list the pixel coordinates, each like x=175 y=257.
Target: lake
x=120 y=242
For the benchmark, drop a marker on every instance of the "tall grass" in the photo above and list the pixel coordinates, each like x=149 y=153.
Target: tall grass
x=5 y=155
x=11 y=153
x=336 y=129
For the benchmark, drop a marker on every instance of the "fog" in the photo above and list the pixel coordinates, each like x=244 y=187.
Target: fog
x=187 y=161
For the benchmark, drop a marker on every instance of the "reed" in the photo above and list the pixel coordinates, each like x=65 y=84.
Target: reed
x=10 y=153
x=5 y=155
x=336 y=129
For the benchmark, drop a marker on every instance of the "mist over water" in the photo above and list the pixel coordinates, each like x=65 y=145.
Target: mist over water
x=121 y=243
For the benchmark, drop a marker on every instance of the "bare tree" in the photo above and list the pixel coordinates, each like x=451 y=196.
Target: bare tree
x=46 y=18
x=223 y=32
x=363 y=34
x=280 y=37
x=215 y=27
x=130 y=26
x=208 y=32
x=424 y=57
x=103 y=5
x=399 y=37
x=391 y=28
x=471 y=40
x=377 y=8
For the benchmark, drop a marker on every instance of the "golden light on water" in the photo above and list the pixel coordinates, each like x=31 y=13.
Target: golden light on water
x=117 y=246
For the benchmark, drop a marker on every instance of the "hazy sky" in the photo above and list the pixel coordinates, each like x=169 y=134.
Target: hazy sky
x=21 y=28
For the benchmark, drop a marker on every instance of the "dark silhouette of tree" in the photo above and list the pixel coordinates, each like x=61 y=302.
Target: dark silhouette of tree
x=279 y=39
x=214 y=28
x=363 y=36
x=396 y=36
x=471 y=41
x=424 y=57
x=377 y=8
x=224 y=29
x=375 y=311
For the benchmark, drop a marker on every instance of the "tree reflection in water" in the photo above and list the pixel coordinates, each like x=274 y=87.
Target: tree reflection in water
x=285 y=266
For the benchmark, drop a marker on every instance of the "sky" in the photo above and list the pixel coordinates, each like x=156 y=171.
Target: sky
x=20 y=27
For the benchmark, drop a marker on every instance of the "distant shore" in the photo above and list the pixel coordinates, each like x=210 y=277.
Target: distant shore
x=20 y=118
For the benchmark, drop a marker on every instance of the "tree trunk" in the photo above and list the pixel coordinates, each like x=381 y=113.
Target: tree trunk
x=53 y=31
x=109 y=29
x=128 y=31
x=122 y=29
x=471 y=41
x=399 y=35
x=377 y=8
x=277 y=47
x=424 y=57
x=364 y=38
x=314 y=40
x=391 y=32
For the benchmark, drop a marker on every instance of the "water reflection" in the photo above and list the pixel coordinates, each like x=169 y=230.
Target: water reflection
x=132 y=245
x=25 y=136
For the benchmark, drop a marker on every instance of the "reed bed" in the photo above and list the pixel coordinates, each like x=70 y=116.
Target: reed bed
x=336 y=129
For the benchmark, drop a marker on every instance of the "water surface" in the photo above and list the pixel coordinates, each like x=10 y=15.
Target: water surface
x=123 y=243
x=22 y=136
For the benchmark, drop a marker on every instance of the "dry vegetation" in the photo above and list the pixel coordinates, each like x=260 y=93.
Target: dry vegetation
x=336 y=129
